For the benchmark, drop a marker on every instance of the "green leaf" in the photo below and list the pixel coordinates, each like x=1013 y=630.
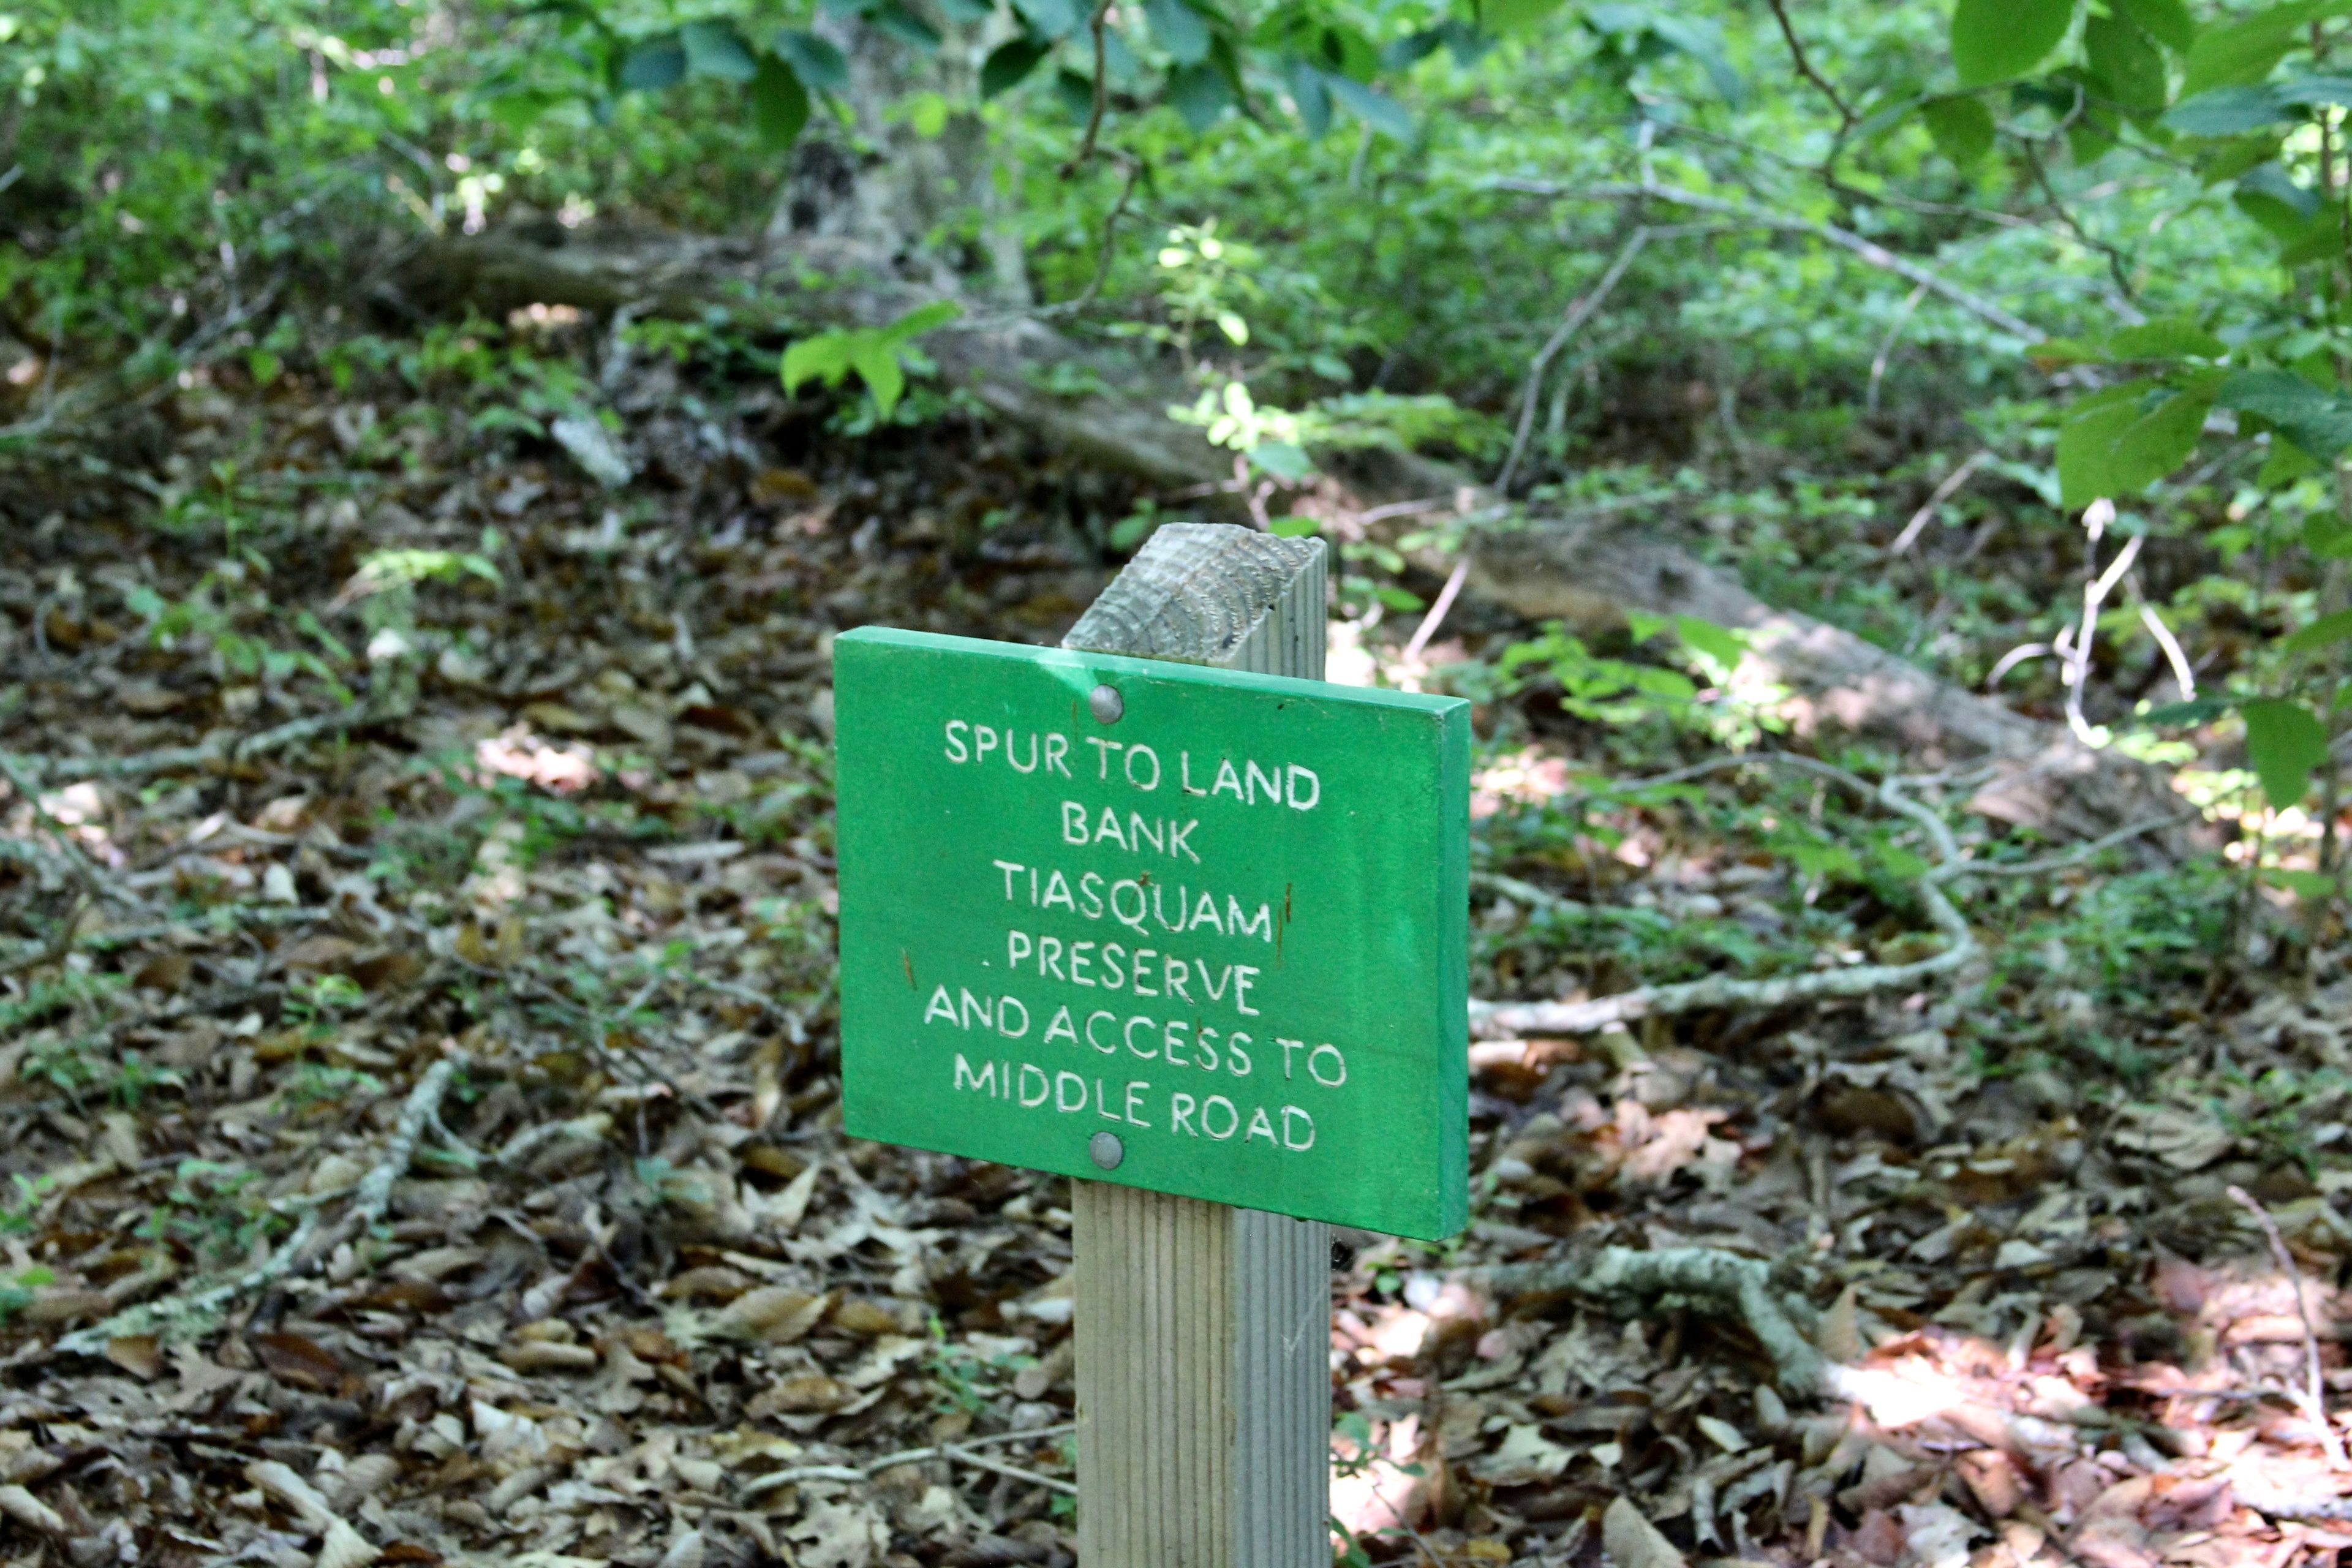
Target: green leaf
x=2167 y=21
x=1313 y=98
x=2286 y=741
x=1504 y=17
x=2169 y=337
x=2113 y=445
x=1284 y=460
x=2127 y=62
x=2301 y=884
x=1010 y=63
x=823 y=357
x=814 y=60
x=1998 y=40
x=2327 y=537
x=1199 y=94
x=1376 y=110
x=905 y=25
x=1721 y=644
x=1701 y=44
x=780 y=104
x=2323 y=632
x=2319 y=422
x=1049 y=19
x=2159 y=440
x=654 y=64
x=1962 y=129
x=2241 y=52
x=2226 y=111
x=2196 y=711
x=927 y=113
x=1178 y=29
x=715 y=49
x=923 y=319
x=2272 y=199
x=878 y=365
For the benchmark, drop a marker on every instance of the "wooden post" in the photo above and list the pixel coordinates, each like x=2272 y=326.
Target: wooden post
x=1203 y=1330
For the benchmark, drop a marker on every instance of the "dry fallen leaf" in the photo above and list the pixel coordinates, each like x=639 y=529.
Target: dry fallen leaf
x=299 y=1360
x=140 y=1355
x=1633 y=1542
x=30 y=1511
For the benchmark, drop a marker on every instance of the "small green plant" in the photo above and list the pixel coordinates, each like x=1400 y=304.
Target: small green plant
x=214 y=1209
x=313 y=1005
x=16 y=1218
x=18 y=1292
x=966 y=1378
x=882 y=356
x=316 y=1084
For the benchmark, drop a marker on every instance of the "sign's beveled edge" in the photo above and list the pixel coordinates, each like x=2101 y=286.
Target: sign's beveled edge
x=1158 y=668
x=1445 y=1212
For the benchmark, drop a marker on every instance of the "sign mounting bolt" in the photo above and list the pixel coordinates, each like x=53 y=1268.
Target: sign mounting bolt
x=1104 y=1147
x=1106 y=704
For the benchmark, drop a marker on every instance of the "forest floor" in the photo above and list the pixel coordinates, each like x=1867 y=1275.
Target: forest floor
x=481 y=1038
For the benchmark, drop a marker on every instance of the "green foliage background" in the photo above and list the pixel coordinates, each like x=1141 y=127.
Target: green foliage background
x=1368 y=217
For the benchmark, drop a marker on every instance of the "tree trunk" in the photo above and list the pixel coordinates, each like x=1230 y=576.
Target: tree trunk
x=1588 y=572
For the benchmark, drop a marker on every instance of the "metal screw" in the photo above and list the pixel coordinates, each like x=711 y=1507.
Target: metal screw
x=1106 y=704
x=1104 y=1147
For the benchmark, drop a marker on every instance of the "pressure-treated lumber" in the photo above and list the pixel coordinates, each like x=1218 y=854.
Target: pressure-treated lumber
x=1203 y=1330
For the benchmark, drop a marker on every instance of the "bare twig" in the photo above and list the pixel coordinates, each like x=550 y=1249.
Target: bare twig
x=1944 y=491
x=1869 y=250
x=1887 y=346
x=1506 y=1020
x=958 y=1453
x=1103 y=255
x=2080 y=852
x=2094 y=593
x=1102 y=95
x=1577 y=314
x=1846 y=117
x=182 y=759
x=1437 y=616
x=2315 y=1394
x=60 y=942
x=2184 y=677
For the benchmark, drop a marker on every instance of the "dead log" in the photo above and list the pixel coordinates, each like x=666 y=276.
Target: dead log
x=1586 y=572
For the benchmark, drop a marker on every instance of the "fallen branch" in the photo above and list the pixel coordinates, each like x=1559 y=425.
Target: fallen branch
x=2314 y=1398
x=373 y=1197
x=958 y=1453
x=1869 y=250
x=206 y=753
x=1943 y=492
x=1726 y=1284
x=1507 y=1020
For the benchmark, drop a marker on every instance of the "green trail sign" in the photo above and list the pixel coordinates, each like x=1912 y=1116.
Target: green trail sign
x=1185 y=928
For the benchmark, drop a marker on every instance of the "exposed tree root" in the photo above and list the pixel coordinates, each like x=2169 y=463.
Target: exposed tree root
x=191 y=1309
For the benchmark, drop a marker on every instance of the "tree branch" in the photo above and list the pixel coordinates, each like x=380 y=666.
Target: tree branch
x=1507 y=1020
x=1847 y=118
x=1869 y=250
x=1580 y=312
